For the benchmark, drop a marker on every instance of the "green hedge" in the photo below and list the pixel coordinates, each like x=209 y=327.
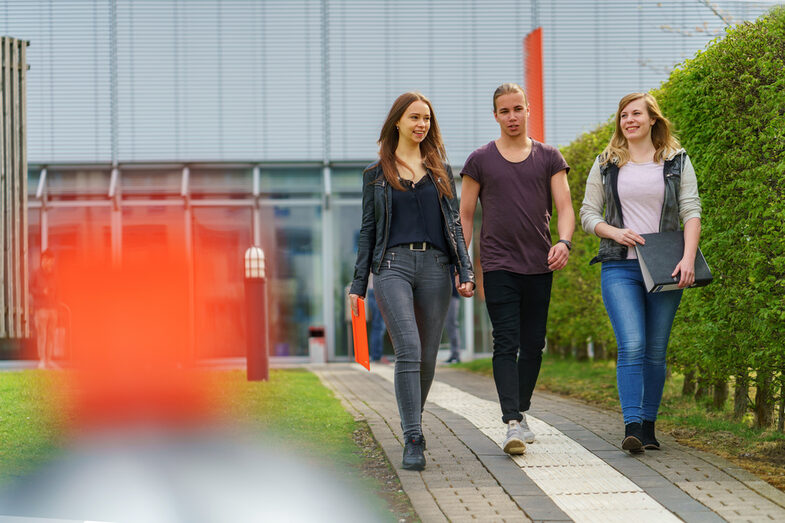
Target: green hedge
x=728 y=107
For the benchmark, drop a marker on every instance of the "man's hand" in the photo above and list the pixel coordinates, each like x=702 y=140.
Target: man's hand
x=558 y=256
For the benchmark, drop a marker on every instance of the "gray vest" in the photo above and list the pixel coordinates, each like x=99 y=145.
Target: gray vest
x=669 y=217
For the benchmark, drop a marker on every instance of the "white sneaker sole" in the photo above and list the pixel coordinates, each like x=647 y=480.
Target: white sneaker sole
x=528 y=437
x=514 y=446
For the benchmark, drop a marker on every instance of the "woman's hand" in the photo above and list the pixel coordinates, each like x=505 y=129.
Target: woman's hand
x=627 y=237
x=687 y=269
x=353 y=301
x=465 y=289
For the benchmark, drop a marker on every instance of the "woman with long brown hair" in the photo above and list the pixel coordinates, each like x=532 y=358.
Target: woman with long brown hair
x=646 y=183
x=410 y=238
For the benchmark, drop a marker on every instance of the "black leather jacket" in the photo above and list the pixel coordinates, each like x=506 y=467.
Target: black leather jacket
x=669 y=217
x=375 y=228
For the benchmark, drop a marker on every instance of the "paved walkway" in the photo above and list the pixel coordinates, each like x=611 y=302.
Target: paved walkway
x=575 y=471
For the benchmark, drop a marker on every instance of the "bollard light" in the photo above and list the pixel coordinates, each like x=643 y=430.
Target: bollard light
x=254 y=263
x=256 y=315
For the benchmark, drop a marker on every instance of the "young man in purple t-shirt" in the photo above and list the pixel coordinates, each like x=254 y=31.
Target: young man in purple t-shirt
x=516 y=179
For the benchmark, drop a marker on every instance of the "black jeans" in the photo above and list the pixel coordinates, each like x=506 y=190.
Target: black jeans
x=518 y=308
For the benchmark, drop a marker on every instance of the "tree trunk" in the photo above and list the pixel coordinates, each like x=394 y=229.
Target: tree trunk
x=599 y=351
x=764 y=401
x=704 y=388
x=740 y=396
x=582 y=352
x=781 y=418
x=688 y=388
x=720 y=393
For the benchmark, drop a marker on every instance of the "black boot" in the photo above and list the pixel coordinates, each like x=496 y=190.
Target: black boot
x=633 y=438
x=649 y=441
x=424 y=446
x=413 y=457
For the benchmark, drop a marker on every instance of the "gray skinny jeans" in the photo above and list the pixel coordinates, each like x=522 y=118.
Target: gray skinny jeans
x=413 y=293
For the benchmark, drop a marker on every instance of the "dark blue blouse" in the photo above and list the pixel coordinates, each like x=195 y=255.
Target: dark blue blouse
x=416 y=215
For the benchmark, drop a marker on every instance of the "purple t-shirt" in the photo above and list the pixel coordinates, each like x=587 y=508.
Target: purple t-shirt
x=516 y=207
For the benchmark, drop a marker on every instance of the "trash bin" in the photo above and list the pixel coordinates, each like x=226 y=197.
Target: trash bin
x=317 y=348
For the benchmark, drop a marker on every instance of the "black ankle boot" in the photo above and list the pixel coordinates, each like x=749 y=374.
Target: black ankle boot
x=633 y=438
x=413 y=457
x=649 y=441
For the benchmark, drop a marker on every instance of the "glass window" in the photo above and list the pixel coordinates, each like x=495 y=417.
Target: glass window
x=33 y=238
x=229 y=182
x=151 y=230
x=346 y=230
x=149 y=182
x=220 y=238
x=347 y=181
x=292 y=242
x=80 y=233
x=33 y=175
x=69 y=184
x=291 y=182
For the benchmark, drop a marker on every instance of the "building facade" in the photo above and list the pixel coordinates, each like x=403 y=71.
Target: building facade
x=207 y=126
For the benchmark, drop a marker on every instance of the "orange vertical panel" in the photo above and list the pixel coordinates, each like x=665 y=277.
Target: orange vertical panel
x=532 y=50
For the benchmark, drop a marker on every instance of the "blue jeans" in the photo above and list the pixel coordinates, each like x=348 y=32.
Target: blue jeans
x=376 y=336
x=642 y=325
x=413 y=293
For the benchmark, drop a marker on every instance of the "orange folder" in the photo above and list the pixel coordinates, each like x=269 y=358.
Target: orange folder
x=360 y=336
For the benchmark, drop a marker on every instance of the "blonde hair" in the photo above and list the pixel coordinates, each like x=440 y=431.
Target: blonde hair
x=508 y=88
x=665 y=143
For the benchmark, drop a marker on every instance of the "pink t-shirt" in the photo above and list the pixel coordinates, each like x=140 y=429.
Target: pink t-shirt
x=642 y=192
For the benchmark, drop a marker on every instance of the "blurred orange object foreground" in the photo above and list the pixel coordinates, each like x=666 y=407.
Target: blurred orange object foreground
x=360 y=335
x=130 y=337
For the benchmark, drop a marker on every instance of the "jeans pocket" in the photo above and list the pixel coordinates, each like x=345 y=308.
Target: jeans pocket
x=442 y=261
x=388 y=261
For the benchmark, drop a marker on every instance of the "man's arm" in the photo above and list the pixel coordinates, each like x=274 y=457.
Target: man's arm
x=560 y=190
x=470 y=193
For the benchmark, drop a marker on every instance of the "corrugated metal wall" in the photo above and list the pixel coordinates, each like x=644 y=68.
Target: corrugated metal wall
x=255 y=80
x=14 y=306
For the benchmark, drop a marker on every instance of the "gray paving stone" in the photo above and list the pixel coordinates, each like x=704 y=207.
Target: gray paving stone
x=541 y=508
x=696 y=486
x=703 y=516
x=646 y=482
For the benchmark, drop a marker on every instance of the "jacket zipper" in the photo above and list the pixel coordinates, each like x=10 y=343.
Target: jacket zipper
x=387 y=213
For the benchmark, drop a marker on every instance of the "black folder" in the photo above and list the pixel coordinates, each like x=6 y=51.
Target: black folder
x=660 y=255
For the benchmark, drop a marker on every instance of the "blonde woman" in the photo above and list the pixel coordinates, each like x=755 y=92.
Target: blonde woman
x=645 y=182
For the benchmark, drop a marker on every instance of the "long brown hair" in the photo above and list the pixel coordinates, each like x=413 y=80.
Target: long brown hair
x=618 y=150
x=431 y=148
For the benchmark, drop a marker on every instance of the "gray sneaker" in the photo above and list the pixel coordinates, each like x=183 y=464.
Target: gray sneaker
x=528 y=435
x=513 y=443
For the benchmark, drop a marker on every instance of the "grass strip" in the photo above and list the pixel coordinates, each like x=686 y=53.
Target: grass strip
x=30 y=421
x=292 y=410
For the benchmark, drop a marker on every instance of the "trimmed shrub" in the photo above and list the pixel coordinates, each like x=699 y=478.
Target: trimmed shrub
x=728 y=107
